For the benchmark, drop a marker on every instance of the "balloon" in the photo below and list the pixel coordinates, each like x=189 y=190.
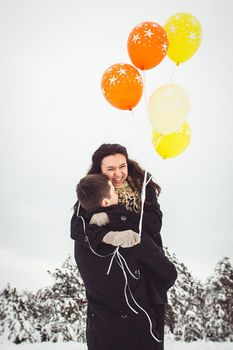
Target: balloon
x=122 y=86
x=147 y=45
x=172 y=145
x=184 y=34
x=168 y=108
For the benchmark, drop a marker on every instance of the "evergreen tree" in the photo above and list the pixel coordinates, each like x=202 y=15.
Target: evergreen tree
x=185 y=313
x=16 y=326
x=64 y=305
x=218 y=302
x=58 y=312
x=3 y=302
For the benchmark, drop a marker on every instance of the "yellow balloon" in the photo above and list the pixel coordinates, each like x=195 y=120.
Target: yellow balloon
x=184 y=34
x=168 y=108
x=169 y=146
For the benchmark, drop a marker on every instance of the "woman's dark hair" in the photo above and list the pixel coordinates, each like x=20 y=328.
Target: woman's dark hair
x=135 y=172
x=91 y=190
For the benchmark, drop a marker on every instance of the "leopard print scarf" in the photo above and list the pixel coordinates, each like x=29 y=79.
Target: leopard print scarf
x=130 y=199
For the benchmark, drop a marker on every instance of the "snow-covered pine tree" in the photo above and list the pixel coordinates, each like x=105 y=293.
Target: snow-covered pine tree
x=64 y=305
x=39 y=310
x=16 y=324
x=185 y=311
x=218 y=302
x=45 y=301
x=2 y=312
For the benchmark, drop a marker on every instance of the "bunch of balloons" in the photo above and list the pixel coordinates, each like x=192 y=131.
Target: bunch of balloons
x=169 y=105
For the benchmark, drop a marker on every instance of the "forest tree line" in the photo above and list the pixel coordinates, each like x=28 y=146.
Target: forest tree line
x=195 y=310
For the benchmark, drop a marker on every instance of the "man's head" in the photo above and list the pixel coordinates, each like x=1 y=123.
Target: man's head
x=96 y=190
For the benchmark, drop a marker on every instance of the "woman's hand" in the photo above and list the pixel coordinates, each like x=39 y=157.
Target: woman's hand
x=99 y=219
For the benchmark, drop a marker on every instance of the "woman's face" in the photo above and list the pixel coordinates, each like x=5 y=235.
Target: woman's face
x=115 y=168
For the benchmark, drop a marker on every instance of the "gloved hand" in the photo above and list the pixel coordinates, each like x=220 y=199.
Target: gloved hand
x=124 y=239
x=99 y=219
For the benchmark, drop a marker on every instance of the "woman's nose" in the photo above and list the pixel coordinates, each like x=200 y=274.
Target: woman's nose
x=117 y=172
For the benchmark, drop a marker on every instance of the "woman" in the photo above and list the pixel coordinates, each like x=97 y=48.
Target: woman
x=127 y=177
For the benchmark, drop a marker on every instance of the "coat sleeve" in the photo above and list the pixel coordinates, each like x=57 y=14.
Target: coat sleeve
x=120 y=219
x=153 y=258
x=86 y=234
x=152 y=217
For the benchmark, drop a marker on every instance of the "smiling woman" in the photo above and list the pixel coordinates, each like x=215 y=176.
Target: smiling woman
x=106 y=298
x=127 y=177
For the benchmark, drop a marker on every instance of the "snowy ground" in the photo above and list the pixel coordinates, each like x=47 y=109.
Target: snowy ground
x=78 y=346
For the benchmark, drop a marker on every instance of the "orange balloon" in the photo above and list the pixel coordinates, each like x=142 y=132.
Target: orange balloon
x=147 y=45
x=122 y=86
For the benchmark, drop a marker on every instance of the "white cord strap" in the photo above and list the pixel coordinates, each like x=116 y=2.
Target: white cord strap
x=126 y=286
x=143 y=197
x=111 y=261
x=150 y=322
x=87 y=239
x=122 y=262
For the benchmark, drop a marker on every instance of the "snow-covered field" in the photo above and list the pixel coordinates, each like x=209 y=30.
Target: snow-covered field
x=78 y=346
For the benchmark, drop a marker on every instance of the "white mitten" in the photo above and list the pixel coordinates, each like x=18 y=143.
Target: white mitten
x=124 y=239
x=99 y=219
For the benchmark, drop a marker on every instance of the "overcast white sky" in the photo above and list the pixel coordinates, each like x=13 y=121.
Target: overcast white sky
x=53 y=117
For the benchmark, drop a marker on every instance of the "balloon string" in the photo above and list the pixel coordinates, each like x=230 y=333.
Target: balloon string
x=156 y=143
x=144 y=88
x=138 y=135
x=173 y=73
x=146 y=106
x=125 y=112
x=143 y=145
x=143 y=197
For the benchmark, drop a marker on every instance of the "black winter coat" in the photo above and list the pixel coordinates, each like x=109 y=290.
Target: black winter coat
x=151 y=225
x=110 y=320
x=111 y=325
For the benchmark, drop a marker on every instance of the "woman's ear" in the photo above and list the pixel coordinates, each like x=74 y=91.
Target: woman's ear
x=105 y=202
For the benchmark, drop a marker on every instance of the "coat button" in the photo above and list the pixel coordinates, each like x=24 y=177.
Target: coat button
x=124 y=315
x=92 y=315
x=85 y=238
x=123 y=218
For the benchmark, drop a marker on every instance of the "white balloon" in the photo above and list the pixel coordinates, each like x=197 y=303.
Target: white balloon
x=168 y=108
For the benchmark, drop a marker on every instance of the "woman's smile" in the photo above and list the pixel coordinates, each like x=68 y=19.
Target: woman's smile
x=115 y=168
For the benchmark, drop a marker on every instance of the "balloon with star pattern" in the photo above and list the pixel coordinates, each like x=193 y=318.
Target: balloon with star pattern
x=147 y=45
x=122 y=86
x=172 y=145
x=184 y=34
x=168 y=108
